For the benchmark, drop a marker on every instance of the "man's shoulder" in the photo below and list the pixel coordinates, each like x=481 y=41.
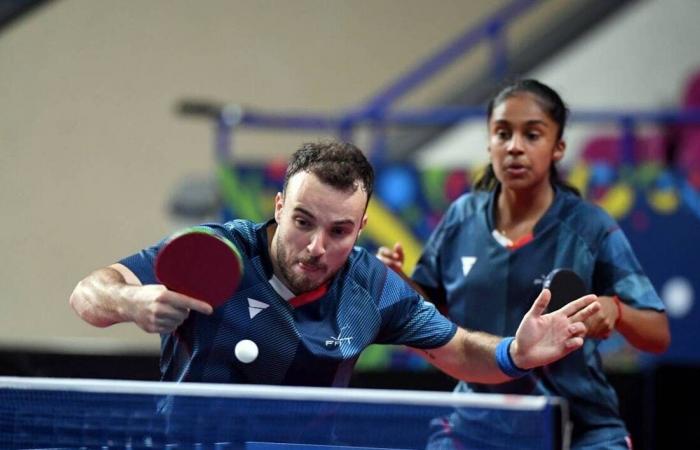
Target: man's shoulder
x=242 y=226
x=246 y=235
x=366 y=271
x=363 y=265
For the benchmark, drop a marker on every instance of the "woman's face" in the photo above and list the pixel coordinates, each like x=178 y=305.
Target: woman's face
x=523 y=142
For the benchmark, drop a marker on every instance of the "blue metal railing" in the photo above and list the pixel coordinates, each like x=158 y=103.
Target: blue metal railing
x=492 y=30
x=378 y=112
x=627 y=120
x=375 y=111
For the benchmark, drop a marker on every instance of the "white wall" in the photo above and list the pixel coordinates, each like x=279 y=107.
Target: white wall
x=639 y=60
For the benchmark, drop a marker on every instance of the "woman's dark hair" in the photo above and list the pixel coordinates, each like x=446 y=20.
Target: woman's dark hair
x=551 y=104
x=337 y=164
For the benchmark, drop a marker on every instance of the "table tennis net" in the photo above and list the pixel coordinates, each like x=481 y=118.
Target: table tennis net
x=38 y=413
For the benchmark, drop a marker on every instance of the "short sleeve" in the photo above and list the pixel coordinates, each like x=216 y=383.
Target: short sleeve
x=142 y=263
x=410 y=319
x=618 y=272
x=428 y=273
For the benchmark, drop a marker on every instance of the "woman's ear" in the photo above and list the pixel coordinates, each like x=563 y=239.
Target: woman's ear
x=559 y=150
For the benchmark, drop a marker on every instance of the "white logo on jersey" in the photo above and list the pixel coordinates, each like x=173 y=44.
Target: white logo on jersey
x=539 y=281
x=467 y=264
x=255 y=307
x=336 y=341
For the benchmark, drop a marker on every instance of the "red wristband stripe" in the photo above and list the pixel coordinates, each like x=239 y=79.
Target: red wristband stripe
x=618 y=303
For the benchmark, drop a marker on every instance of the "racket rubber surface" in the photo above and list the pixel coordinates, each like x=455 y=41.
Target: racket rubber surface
x=565 y=286
x=201 y=264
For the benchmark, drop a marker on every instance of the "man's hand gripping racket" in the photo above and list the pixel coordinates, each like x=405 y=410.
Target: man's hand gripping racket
x=198 y=270
x=543 y=338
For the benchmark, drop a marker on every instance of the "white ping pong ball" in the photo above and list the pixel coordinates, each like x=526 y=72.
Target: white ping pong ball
x=246 y=351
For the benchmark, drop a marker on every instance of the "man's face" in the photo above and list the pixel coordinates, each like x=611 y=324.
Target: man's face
x=317 y=227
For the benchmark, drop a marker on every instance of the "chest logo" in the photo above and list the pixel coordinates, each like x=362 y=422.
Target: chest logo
x=539 y=281
x=467 y=264
x=255 y=307
x=335 y=342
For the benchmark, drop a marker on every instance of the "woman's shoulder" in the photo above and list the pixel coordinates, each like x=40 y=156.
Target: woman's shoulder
x=468 y=205
x=581 y=214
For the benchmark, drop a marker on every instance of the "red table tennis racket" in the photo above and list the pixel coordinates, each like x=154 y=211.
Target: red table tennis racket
x=565 y=286
x=201 y=264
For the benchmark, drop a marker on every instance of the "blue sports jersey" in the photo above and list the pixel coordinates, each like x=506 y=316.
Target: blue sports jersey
x=487 y=286
x=310 y=343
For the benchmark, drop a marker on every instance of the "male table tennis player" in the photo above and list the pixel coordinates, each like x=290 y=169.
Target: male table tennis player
x=311 y=300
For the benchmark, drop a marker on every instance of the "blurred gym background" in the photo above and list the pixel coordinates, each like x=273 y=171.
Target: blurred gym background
x=123 y=121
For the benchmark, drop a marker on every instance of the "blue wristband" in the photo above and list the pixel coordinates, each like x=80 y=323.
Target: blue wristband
x=504 y=360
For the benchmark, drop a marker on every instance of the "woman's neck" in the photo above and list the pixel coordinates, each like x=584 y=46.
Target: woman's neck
x=518 y=211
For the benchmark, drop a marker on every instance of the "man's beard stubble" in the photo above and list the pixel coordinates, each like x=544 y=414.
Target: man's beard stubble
x=296 y=283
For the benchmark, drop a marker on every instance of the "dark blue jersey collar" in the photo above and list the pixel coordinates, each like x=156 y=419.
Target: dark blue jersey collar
x=550 y=218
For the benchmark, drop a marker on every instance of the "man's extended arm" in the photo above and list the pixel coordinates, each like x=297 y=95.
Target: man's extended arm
x=114 y=294
x=539 y=340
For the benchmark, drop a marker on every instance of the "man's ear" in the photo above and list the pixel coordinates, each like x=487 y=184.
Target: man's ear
x=559 y=150
x=363 y=223
x=279 y=203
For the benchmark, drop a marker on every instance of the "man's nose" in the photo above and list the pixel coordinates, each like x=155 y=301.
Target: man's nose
x=317 y=246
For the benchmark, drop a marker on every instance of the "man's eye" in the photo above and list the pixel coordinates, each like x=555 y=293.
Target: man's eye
x=339 y=232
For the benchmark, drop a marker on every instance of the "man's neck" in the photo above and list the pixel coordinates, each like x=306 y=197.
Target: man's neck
x=272 y=251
